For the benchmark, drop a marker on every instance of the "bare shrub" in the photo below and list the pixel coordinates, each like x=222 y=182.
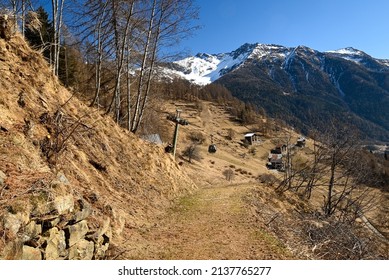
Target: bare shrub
x=253 y=151
x=334 y=240
x=231 y=134
x=229 y=174
x=199 y=106
x=197 y=137
x=192 y=152
x=267 y=179
x=312 y=235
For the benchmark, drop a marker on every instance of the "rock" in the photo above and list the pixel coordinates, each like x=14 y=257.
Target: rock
x=56 y=244
x=62 y=178
x=64 y=204
x=85 y=210
x=101 y=237
x=77 y=232
x=82 y=250
x=2 y=178
x=105 y=228
x=13 y=250
x=14 y=222
x=118 y=222
x=30 y=231
x=101 y=247
x=50 y=221
x=31 y=253
x=41 y=204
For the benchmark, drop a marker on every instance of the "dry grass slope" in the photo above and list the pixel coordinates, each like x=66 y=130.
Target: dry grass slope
x=46 y=131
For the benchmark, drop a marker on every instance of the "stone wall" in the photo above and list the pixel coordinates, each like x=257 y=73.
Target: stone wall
x=53 y=226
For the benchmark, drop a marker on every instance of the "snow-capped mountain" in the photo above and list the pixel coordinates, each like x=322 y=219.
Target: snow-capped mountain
x=347 y=84
x=203 y=68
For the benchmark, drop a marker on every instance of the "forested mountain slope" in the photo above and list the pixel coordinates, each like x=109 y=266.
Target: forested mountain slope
x=301 y=86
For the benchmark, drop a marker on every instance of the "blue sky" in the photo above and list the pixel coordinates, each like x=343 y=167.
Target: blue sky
x=320 y=24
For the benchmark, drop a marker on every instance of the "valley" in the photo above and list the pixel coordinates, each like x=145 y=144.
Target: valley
x=304 y=87
x=241 y=218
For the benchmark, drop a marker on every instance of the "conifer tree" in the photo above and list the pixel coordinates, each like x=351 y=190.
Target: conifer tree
x=41 y=38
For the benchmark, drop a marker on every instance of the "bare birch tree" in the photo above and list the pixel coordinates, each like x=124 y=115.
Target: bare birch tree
x=127 y=35
x=337 y=169
x=99 y=35
x=57 y=13
x=169 y=21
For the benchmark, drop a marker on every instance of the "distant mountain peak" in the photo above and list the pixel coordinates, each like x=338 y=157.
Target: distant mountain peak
x=204 y=68
x=349 y=51
x=244 y=49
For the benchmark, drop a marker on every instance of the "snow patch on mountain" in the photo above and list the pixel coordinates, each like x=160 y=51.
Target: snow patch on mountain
x=203 y=69
x=384 y=62
x=197 y=68
x=335 y=81
x=263 y=51
x=347 y=51
x=288 y=59
x=350 y=54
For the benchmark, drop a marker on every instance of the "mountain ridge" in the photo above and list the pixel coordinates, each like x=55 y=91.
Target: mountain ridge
x=285 y=82
x=249 y=51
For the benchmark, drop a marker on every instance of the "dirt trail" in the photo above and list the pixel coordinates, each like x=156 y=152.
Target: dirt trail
x=216 y=221
x=213 y=223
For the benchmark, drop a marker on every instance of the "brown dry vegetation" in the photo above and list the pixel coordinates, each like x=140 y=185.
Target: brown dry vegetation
x=160 y=208
x=125 y=179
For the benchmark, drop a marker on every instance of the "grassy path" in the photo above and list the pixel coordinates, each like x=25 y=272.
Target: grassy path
x=213 y=223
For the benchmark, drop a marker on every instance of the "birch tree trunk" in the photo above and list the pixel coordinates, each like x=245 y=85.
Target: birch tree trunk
x=120 y=51
x=128 y=87
x=98 y=34
x=137 y=121
x=135 y=118
x=57 y=10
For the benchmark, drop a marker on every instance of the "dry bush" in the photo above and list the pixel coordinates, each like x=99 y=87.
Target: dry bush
x=197 y=137
x=242 y=171
x=253 y=151
x=60 y=129
x=335 y=240
x=192 y=152
x=32 y=21
x=199 y=106
x=310 y=235
x=267 y=179
x=229 y=174
x=246 y=143
x=231 y=134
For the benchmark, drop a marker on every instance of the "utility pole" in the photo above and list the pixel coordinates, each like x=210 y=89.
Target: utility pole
x=178 y=121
